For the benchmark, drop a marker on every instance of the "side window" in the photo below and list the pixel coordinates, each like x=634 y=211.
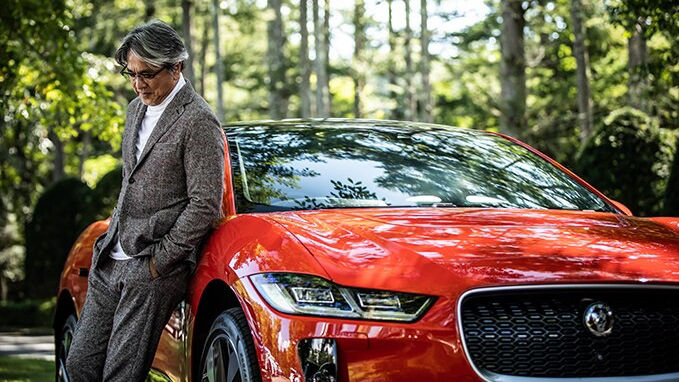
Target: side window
x=236 y=177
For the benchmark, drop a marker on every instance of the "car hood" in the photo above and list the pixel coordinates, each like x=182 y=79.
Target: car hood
x=433 y=250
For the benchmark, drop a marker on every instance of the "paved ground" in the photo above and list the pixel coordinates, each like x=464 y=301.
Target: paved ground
x=21 y=345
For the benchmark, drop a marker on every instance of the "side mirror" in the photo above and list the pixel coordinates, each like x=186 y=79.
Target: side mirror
x=622 y=207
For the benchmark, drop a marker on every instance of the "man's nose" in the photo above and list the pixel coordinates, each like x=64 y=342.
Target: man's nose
x=138 y=83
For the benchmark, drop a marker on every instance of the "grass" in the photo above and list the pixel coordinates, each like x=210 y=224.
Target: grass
x=13 y=369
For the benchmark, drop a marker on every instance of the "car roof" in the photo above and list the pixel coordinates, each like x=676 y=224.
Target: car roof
x=350 y=123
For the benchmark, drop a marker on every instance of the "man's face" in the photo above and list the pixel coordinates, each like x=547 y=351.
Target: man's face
x=152 y=91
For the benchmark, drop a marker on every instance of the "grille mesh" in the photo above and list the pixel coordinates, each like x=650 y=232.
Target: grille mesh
x=542 y=333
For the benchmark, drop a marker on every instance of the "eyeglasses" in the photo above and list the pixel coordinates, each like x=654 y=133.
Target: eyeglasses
x=145 y=75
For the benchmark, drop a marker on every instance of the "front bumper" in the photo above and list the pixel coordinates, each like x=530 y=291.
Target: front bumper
x=429 y=349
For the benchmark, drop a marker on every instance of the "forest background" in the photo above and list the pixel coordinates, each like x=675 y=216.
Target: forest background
x=594 y=84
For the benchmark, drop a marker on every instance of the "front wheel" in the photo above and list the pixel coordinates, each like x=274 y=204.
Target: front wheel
x=63 y=345
x=229 y=352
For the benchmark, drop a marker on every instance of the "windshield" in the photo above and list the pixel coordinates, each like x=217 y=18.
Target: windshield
x=355 y=166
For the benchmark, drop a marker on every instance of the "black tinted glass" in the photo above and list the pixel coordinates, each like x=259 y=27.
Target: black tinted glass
x=286 y=167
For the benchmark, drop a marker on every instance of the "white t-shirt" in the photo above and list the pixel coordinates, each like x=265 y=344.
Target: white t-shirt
x=149 y=122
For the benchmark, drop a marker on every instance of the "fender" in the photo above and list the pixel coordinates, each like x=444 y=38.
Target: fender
x=77 y=265
x=244 y=245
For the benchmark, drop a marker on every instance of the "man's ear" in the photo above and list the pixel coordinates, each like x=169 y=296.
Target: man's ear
x=176 y=70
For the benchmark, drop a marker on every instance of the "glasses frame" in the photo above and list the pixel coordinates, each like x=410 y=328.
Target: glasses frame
x=141 y=75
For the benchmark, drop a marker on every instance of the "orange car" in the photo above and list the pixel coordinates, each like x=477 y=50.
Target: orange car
x=393 y=251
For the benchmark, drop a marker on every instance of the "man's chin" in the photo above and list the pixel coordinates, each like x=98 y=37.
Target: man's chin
x=147 y=100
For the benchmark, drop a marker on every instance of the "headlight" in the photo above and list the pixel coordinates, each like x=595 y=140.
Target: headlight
x=305 y=294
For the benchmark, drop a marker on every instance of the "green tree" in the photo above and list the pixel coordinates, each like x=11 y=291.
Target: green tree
x=628 y=159
x=11 y=254
x=60 y=215
x=654 y=73
x=106 y=193
x=672 y=189
x=55 y=97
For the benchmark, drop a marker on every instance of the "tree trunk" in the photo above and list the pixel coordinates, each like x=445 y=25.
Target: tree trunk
x=305 y=68
x=84 y=153
x=411 y=108
x=276 y=63
x=512 y=70
x=3 y=288
x=359 y=65
x=27 y=174
x=582 y=64
x=396 y=113
x=59 y=156
x=186 y=28
x=149 y=10
x=326 y=52
x=218 y=59
x=426 y=106
x=205 y=39
x=319 y=65
x=637 y=66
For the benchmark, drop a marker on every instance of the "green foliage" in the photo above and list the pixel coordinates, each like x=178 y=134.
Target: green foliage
x=468 y=87
x=672 y=189
x=97 y=167
x=657 y=15
x=106 y=193
x=658 y=22
x=11 y=254
x=60 y=215
x=51 y=95
x=156 y=376
x=628 y=159
x=27 y=314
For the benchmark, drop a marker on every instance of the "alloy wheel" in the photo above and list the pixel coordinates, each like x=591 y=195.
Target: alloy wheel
x=222 y=362
x=64 y=346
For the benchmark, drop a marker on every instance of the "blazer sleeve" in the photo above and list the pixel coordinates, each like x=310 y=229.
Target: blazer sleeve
x=204 y=169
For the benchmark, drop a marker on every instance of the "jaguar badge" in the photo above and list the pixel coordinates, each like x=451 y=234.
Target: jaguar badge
x=598 y=319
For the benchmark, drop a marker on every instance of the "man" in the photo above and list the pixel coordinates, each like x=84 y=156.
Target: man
x=173 y=171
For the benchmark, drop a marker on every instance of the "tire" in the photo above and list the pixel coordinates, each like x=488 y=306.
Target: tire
x=229 y=352
x=63 y=345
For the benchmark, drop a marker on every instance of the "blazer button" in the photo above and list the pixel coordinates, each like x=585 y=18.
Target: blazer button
x=130 y=181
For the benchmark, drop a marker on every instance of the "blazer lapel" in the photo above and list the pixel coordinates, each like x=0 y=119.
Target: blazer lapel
x=130 y=138
x=174 y=109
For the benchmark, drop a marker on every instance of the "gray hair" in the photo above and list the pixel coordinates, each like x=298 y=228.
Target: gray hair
x=155 y=43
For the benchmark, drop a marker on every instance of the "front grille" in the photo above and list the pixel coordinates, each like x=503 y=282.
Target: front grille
x=541 y=332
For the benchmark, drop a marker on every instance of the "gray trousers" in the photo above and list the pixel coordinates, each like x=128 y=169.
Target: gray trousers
x=123 y=317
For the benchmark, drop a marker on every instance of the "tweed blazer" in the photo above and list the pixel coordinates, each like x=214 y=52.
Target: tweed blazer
x=171 y=197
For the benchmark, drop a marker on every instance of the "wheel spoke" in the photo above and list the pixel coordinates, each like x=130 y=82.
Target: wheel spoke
x=219 y=349
x=66 y=342
x=64 y=348
x=222 y=359
x=233 y=368
x=209 y=370
x=62 y=372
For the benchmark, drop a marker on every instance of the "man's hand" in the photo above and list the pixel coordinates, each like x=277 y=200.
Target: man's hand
x=152 y=268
